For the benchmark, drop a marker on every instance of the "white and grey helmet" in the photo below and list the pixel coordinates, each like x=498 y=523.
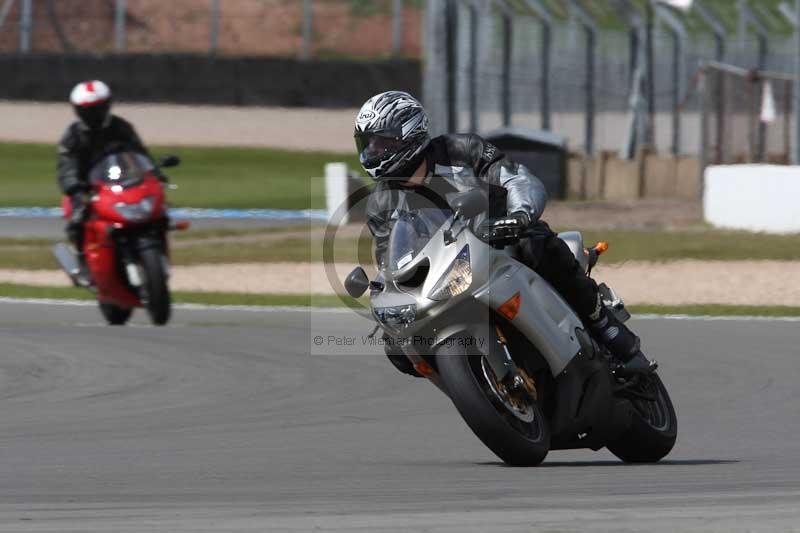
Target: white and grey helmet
x=391 y=135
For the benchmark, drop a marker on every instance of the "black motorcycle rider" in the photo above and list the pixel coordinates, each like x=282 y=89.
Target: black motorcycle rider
x=394 y=146
x=95 y=134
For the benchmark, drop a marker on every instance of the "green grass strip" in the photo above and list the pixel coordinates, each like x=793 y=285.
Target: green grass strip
x=207 y=177
x=717 y=310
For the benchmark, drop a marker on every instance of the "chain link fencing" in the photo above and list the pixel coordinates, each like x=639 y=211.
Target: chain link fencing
x=286 y=28
x=613 y=76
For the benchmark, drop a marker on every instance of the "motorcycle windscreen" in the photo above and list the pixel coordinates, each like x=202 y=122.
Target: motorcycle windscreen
x=411 y=232
x=124 y=169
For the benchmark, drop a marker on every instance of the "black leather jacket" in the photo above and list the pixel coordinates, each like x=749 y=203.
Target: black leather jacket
x=80 y=148
x=457 y=163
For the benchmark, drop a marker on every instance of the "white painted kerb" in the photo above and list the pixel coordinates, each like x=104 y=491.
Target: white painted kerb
x=753 y=197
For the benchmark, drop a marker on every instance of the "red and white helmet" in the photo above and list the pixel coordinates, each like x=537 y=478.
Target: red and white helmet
x=92 y=103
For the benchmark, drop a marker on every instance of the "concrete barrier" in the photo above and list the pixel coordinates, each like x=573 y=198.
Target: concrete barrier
x=197 y=79
x=622 y=179
x=687 y=178
x=753 y=197
x=659 y=176
x=606 y=177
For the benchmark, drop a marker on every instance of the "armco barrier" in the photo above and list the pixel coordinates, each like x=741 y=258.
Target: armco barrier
x=192 y=79
x=753 y=197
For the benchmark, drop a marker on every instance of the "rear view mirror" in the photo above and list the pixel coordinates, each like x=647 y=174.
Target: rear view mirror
x=169 y=161
x=469 y=204
x=356 y=282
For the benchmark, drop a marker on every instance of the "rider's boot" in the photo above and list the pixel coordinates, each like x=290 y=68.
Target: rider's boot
x=623 y=344
x=81 y=276
x=75 y=235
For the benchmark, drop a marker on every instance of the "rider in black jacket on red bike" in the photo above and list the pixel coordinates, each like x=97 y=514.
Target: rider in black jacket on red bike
x=86 y=141
x=395 y=148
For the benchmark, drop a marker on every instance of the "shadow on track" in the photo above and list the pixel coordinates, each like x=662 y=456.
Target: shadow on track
x=666 y=462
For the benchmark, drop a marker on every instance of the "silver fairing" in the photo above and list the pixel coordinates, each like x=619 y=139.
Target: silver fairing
x=544 y=317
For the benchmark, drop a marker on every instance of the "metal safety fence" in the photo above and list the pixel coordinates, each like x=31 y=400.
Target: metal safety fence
x=287 y=28
x=614 y=75
x=746 y=115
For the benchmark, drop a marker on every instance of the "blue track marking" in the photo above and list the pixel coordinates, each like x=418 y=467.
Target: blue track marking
x=187 y=213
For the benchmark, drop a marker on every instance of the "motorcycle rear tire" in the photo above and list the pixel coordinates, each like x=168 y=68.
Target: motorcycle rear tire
x=644 y=443
x=115 y=315
x=157 y=297
x=457 y=369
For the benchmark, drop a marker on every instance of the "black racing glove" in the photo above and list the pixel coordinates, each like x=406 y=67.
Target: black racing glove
x=80 y=207
x=160 y=176
x=504 y=231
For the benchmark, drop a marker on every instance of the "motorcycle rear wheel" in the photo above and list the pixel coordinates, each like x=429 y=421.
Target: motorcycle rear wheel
x=654 y=426
x=115 y=315
x=513 y=438
x=156 y=292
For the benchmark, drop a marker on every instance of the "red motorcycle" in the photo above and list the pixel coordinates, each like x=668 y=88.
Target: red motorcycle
x=125 y=238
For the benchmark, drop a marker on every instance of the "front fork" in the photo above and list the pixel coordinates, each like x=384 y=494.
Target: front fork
x=514 y=380
x=129 y=247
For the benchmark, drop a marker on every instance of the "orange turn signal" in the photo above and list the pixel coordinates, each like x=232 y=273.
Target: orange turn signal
x=510 y=309
x=424 y=368
x=601 y=247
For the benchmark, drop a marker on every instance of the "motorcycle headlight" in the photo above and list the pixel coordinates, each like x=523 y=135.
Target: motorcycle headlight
x=456 y=280
x=139 y=211
x=400 y=315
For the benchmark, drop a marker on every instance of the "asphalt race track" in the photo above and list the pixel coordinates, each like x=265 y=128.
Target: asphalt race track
x=235 y=421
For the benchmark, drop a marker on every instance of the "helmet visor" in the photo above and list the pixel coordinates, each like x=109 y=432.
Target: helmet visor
x=379 y=145
x=93 y=116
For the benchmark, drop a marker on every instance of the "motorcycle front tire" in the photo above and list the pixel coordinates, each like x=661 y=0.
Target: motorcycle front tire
x=463 y=379
x=156 y=290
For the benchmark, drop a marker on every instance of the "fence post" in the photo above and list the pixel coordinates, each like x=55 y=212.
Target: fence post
x=213 y=44
x=763 y=50
x=796 y=158
x=119 y=25
x=544 y=89
x=451 y=25
x=505 y=84
x=25 y=26
x=703 y=151
x=720 y=37
x=792 y=14
x=650 y=134
x=397 y=27
x=305 y=51
x=547 y=44
x=591 y=41
x=434 y=85
x=473 y=68
x=748 y=19
x=679 y=36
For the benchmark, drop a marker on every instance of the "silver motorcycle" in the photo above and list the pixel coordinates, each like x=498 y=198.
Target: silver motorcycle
x=521 y=368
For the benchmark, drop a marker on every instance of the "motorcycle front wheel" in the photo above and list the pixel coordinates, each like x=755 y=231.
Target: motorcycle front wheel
x=516 y=431
x=155 y=290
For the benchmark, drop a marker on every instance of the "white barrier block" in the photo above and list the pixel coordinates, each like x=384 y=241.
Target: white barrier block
x=753 y=198
x=336 y=189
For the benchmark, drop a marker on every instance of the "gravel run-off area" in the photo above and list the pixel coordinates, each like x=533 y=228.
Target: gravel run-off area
x=671 y=283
